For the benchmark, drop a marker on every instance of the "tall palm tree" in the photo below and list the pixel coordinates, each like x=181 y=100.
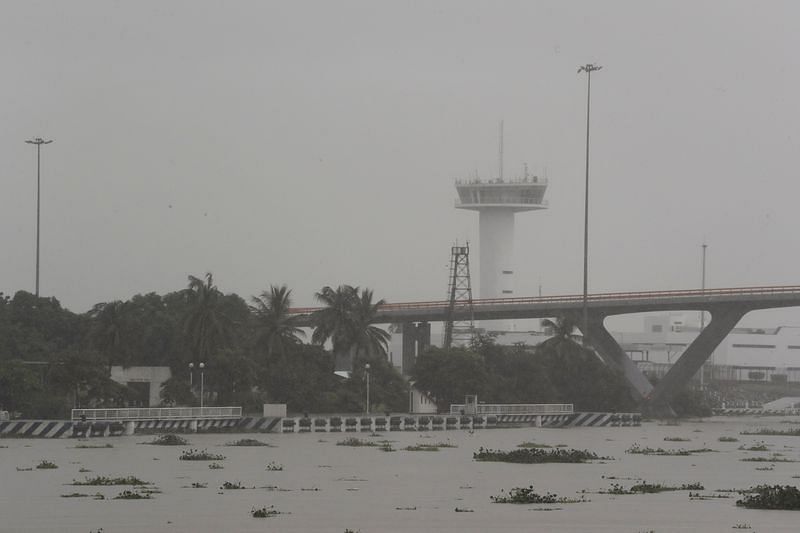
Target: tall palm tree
x=277 y=328
x=106 y=331
x=334 y=321
x=346 y=320
x=205 y=325
x=368 y=339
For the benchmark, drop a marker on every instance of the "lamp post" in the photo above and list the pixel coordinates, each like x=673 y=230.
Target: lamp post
x=202 y=382
x=38 y=141
x=191 y=375
x=588 y=69
x=366 y=367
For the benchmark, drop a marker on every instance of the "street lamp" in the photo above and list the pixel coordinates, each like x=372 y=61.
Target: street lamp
x=191 y=375
x=202 y=382
x=703 y=317
x=366 y=367
x=38 y=141
x=588 y=69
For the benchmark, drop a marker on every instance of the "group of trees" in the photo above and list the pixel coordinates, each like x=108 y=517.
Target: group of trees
x=52 y=359
x=559 y=370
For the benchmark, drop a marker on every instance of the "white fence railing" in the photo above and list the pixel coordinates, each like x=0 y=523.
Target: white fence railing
x=515 y=409
x=157 y=413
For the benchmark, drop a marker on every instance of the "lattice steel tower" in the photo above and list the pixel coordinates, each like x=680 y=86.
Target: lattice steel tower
x=460 y=325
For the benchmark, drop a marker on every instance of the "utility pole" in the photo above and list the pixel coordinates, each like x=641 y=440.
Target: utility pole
x=588 y=69
x=703 y=314
x=38 y=141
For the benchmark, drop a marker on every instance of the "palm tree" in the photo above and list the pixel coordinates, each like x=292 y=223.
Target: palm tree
x=346 y=320
x=334 y=321
x=278 y=329
x=205 y=325
x=106 y=332
x=368 y=339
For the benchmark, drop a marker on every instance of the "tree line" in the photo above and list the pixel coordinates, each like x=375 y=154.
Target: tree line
x=255 y=352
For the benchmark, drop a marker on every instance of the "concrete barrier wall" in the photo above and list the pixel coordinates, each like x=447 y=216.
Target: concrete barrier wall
x=321 y=424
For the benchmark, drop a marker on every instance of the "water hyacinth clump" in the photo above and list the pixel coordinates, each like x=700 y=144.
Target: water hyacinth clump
x=131 y=495
x=249 y=442
x=636 y=449
x=537 y=455
x=106 y=481
x=93 y=446
x=168 y=439
x=274 y=467
x=200 y=455
x=355 y=441
x=264 y=512
x=728 y=439
x=772 y=497
x=774 y=432
x=44 y=464
x=525 y=495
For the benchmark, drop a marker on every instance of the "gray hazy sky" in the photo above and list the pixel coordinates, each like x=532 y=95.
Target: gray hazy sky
x=316 y=143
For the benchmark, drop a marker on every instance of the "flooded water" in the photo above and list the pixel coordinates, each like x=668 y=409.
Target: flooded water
x=325 y=487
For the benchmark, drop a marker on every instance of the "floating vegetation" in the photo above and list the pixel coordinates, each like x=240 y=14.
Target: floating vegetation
x=264 y=512
x=760 y=447
x=131 y=495
x=168 y=439
x=227 y=485
x=93 y=446
x=107 y=481
x=460 y=510
x=405 y=508
x=636 y=449
x=527 y=495
x=773 y=497
x=24 y=468
x=355 y=441
x=742 y=526
x=215 y=466
x=200 y=455
x=536 y=456
x=422 y=448
x=387 y=447
x=698 y=496
x=774 y=432
x=76 y=495
x=676 y=439
x=533 y=445
x=766 y=468
x=249 y=442
x=83 y=470
x=728 y=439
x=197 y=485
x=771 y=459
x=44 y=464
x=274 y=467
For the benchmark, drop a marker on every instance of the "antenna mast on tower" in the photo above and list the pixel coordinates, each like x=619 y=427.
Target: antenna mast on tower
x=501 y=150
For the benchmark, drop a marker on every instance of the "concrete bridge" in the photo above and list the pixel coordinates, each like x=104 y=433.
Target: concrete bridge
x=726 y=307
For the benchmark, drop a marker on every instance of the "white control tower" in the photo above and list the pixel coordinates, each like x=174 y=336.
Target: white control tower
x=497 y=201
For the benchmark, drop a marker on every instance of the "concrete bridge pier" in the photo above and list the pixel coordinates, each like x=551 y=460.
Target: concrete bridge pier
x=130 y=427
x=416 y=339
x=723 y=320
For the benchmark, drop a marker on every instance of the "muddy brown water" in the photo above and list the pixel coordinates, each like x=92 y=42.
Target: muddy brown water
x=329 y=488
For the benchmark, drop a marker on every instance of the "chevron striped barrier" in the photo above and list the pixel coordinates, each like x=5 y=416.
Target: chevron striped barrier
x=756 y=412
x=573 y=420
x=37 y=428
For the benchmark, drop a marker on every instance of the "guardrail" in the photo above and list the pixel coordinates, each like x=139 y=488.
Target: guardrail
x=158 y=413
x=516 y=409
x=573 y=298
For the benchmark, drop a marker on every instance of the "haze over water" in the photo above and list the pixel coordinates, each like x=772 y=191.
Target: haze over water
x=328 y=488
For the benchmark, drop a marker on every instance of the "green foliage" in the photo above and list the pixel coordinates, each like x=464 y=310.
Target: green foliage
x=536 y=456
x=449 y=375
x=775 y=497
x=526 y=495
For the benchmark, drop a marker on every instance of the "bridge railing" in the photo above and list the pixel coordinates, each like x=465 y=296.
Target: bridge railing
x=576 y=298
x=516 y=409
x=157 y=413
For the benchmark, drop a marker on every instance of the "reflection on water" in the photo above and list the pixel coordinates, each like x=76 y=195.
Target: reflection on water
x=325 y=487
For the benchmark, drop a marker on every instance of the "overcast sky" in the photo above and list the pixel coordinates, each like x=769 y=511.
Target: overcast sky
x=316 y=143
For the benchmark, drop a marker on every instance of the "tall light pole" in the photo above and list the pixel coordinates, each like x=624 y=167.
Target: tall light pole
x=38 y=141
x=202 y=382
x=588 y=68
x=366 y=368
x=191 y=376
